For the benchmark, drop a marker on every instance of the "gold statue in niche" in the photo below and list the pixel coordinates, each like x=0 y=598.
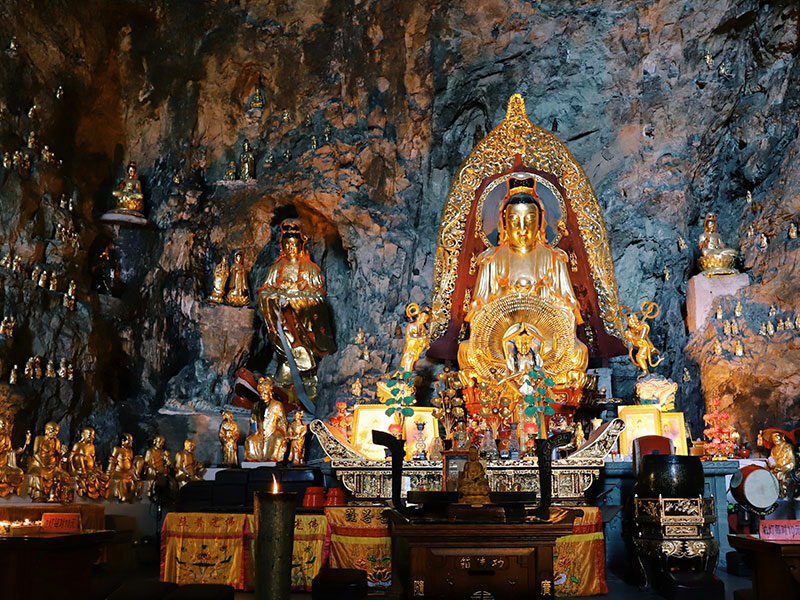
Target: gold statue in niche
x=292 y=302
x=220 y=278
x=238 y=290
x=11 y=476
x=524 y=284
x=268 y=442
x=715 y=258
x=125 y=471
x=247 y=162
x=187 y=467
x=642 y=352
x=90 y=480
x=229 y=438
x=130 y=199
x=48 y=481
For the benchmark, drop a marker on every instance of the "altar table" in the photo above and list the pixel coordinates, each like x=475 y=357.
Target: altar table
x=776 y=566
x=92 y=515
x=219 y=548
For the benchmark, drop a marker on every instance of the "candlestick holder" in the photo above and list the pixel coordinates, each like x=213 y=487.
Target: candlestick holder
x=274 y=522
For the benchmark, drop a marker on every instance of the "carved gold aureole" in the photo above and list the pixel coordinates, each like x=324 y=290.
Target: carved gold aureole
x=540 y=150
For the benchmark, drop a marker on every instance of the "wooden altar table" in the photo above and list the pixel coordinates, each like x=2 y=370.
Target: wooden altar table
x=776 y=566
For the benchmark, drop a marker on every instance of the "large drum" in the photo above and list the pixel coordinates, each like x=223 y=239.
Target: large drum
x=755 y=487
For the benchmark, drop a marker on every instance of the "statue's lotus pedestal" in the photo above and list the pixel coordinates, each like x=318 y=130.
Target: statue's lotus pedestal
x=703 y=290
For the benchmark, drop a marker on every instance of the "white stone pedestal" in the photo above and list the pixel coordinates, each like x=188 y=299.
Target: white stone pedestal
x=702 y=291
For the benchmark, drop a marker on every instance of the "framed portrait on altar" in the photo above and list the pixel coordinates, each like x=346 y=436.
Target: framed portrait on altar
x=429 y=431
x=367 y=417
x=639 y=421
x=673 y=426
x=453 y=462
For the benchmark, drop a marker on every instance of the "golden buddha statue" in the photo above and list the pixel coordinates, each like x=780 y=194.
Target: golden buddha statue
x=268 y=442
x=230 y=172
x=238 y=290
x=89 y=478
x=523 y=290
x=292 y=301
x=416 y=337
x=782 y=457
x=12 y=477
x=247 y=162
x=124 y=470
x=229 y=438
x=157 y=462
x=473 y=486
x=130 y=199
x=296 y=434
x=48 y=481
x=220 y=278
x=187 y=467
x=715 y=258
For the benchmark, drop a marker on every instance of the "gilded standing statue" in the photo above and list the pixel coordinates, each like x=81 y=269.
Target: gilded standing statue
x=292 y=300
x=229 y=438
x=297 y=438
x=642 y=352
x=238 y=290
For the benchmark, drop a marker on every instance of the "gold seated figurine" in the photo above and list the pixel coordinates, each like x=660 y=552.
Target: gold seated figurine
x=187 y=467
x=48 y=481
x=268 y=442
x=124 y=471
x=12 y=477
x=129 y=196
x=715 y=258
x=473 y=486
x=90 y=480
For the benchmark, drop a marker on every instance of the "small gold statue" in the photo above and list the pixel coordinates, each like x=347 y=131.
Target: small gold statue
x=230 y=172
x=157 y=467
x=124 y=471
x=268 y=442
x=667 y=273
x=247 y=162
x=772 y=310
x=12 y=477
x=238 y=294
x=737 y=310
x=751 y=231
x=48 y=481
x=738 y=348
x=296 y=434
x=770 y=328
x=13 y=378
x=50 y=371
x=90 y=480
x=726 y=328
x=7 y=164
x=473 y=486
x=33 y=112
x=682 y=243
x=734 y=327
x=749 y=197
x=687 y=377
x=762 y=241
x=6 y=261
x=59 y=92
x=782 y=457
x=69 y=297
x=792 y=231
x=229 y=438
x=187 y=467
x=717 y=347
x=17 y=265
x=257 y=101
x=641 y=351
x=130 y=199
x=7 y=326
x=417 y=339
x=360 y=339
x=715 y=258
x=63 y=370
x=42 y=283
x=763 y=329
x=220 y=277
x=357 y=388
x=32 y=142
x=781 y=326
x=579 y=437
x=47 y=156
x=797 y=321
x=53 y=287
x=709 y=60
x=35 y=273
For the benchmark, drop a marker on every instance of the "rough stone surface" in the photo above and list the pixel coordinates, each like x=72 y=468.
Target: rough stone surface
x=702 y=291
x=404 y=89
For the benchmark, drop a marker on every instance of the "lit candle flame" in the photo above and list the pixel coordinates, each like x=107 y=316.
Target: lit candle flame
x=275 y=488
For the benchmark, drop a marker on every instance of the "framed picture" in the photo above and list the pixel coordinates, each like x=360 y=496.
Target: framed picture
x=453 y=462
x=639 y=420
x=367 y=417
x=673 y=426
x=412 y=432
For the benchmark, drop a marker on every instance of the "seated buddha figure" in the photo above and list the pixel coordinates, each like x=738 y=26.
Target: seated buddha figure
x=48 y=481
x=268 y=442
x=90 y=480
x=539 y=329
x=11 y=476
x=292 y=303
x=715 y=258
x=129 y=197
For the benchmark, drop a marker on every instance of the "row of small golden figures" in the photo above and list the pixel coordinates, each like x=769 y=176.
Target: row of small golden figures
x=767 y=328
x=22 y=159
x=33 y=370
x=55 y=472
x=41 y=277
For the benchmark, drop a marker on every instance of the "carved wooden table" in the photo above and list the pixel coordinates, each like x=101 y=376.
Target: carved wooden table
x=476 y=560
x=776 y=566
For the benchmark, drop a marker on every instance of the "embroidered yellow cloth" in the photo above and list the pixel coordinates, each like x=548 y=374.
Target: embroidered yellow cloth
x=205 y=548
x=579 y=559
x=360 y=540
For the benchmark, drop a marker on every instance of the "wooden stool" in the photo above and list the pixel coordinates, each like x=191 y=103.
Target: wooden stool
x=339 y=584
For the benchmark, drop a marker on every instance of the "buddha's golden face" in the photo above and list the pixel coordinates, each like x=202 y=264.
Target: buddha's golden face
x=291 y=246
x=522 y=222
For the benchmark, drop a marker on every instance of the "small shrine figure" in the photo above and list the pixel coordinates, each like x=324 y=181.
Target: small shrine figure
x=13 y=378
x=90 y=480
x=460 y=436
x=770 y=328
x=257 y=101
x=781 y=326
x=715 y=258
x=247 y=162
x=579 y=437
x=437 y=447
x=717 y=347
x=641 y=351
x=763 y=329
x=738 y=348
x=50 y=371
x=53 y=287
x=29 y=368
x=751 y=231
x=32 y=142
x=782 y=456
x=16 y=266
x=230 y=172
x=473 y=486
x=749 y=197
x=296 y=434
x=488 y=445
x=229 y=438
x=292 y=303
x=6 y=261
x=734 y=327
x=772 y=310
x=792 y=231
x=157 y=468
x=59 y=92
x=726 y=328
x=47 y=156
x=360 y=339
x=356 y=388
x=268 y=442
x=364 y=354
x=687 y=377
x=42 y=283
x=35 y=273
x=238 y=290
x=718 y=314
x=220 y=278
x=737 y=310
x=187 y=467
x=682 y=243
x=69 y=297
x=48 y=481
x=417 y=339
x=7 y=164
x=789 y=323
x=797 y=321
x=762 y=241
x=129 y=197
x=124 y=471
x=12 y=477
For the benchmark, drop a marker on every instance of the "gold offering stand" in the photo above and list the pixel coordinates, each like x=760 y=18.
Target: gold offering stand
x=372 y=479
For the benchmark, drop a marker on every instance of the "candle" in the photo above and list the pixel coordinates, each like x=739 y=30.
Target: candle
x=274 y=512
